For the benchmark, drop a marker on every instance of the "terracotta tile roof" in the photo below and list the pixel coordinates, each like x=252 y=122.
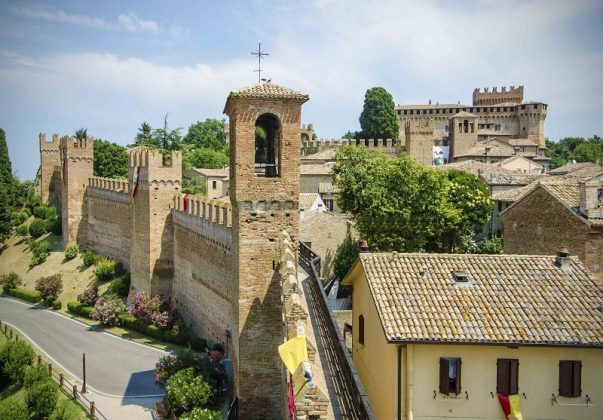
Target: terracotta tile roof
x=507 y=299
x=492 y=173
x=306 y=200
x=268 y=91
x=514 y=194
x=567 y=193
x=315 y=169
x=583 y=167
x=522 y=142
x=222 y=172
x=480 y=150
x=327 y=154
x=464 y=114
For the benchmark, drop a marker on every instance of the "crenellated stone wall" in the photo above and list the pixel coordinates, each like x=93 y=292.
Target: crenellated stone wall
x=109 y=228
x=311 y=401
x=203 y=284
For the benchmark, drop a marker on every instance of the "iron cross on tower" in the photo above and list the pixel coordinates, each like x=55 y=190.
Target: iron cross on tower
x=260 y=55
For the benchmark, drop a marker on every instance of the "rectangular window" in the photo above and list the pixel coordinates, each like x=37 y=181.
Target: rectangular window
x=213 y=185
x=361 y=329
x=450 y=375
x=405 y=112
x=328 y=203
x=570 y=378
x=507 y=376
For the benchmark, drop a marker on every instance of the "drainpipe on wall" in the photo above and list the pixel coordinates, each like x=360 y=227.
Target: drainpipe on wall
x=399 y=396
x=409 y=382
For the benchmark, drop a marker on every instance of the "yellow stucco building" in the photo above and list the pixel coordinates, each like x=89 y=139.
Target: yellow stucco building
x=442 y=336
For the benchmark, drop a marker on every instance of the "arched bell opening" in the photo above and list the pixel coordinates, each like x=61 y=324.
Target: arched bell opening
x=267 y=146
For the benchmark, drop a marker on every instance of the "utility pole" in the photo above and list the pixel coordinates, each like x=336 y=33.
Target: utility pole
x=84 y=364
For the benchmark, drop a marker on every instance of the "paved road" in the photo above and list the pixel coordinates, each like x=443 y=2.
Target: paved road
x=113 y=366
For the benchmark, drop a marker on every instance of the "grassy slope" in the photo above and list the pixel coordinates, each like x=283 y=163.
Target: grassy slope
x=76 y=279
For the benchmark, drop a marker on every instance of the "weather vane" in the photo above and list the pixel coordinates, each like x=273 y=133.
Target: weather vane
x=260 y=55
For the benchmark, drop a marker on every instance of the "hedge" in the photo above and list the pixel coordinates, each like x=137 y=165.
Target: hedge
x=79 y=309
x=183 y=337
x=56 y=305
x=28 y=295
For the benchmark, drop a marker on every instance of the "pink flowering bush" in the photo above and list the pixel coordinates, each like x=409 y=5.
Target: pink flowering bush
x=50 y=287
x=155 y=310
x=107 y=310
x=88 y=297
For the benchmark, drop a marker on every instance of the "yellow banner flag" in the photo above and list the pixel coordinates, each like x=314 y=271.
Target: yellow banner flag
x=293 y=352
x=514 y=400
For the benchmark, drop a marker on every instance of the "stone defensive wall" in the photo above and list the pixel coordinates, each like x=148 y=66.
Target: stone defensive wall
x=203 y=284
x=109 y=227
x=487 y=97
x=390 y=146
x=310 y=398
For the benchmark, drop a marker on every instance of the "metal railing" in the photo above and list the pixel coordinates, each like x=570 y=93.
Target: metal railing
x=65 y=385
x=352 y=398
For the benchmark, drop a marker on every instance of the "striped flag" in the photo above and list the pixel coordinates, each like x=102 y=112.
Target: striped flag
x=135 y=180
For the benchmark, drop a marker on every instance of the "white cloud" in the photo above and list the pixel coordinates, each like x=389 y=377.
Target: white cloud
x=133 y=23
x=59 y=16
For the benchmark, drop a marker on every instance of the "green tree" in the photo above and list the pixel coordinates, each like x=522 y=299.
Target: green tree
x=378 y=119
x=81 y=133
x=401 y=205
x=204 y=158
x=352 y=135
x=345 y=256
x=168 y=139
x=6 y=188
x=110 y=160
x=145 y=137
x=589 y=151
x=15 y=357
x=208 y=134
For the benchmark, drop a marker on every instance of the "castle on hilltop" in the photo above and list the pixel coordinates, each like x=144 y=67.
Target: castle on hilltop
x=221 y=262
x=498 y=125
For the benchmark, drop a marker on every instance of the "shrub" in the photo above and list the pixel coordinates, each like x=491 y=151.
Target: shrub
x=28 y=295
x=345 y=256
x=35 y=374
x=66 y=409
x=13 y=410
x=104 y=269
x=89 y=258
x=50 y=287
x=201 y=414
x=23 y=230
x=107 y=309
x=155 y=310
x=120 y=285
x=180 y=333
x=54 y=225
x=56 y=305
x=79 y=309
x=15 y=356
x=40 y=211
x=18 y=218
x=41 y=398
x=168 y=365
x=494 y=245
x=88 y=297
x=71 y=251
x=185 y=390
x=37 y=228
x=39 y=250
x=10 y=281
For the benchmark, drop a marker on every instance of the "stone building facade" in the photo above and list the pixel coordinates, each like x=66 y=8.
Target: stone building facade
x=498 y=125
x=219 y=260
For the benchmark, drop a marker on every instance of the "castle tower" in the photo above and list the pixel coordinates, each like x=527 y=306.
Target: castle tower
x=463 y=133
x=152 y=188
x=50 y=157
x=420 y=140
x=531 y=118
x=77 y=167
x=264 y=191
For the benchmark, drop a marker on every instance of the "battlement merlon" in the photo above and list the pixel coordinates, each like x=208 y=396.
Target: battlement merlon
x=151 y=158
x=77 y=148
x=53 y=145
x=487 y=97
x=111 y=184
x=215 y=211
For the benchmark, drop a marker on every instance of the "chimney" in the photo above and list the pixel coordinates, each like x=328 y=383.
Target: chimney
x=363 y=247
x=563 y=258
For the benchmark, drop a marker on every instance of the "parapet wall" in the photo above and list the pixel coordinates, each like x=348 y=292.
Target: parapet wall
x=109 y=227
x=494 y=97
x=311 y=401
x=203 y=285
x=390 y=146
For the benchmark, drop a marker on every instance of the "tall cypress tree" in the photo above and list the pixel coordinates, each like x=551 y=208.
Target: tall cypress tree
x=378 y=119
x=6 y=188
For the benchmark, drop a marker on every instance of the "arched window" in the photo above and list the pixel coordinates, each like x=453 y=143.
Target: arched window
x=267 y=146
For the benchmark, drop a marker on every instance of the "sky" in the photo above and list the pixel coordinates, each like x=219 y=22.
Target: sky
x=110 y=65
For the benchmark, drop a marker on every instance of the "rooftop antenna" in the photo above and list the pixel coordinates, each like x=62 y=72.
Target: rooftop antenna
x=260 y=55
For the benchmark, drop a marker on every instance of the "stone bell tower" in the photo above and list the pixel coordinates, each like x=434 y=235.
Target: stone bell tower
x=264 y=177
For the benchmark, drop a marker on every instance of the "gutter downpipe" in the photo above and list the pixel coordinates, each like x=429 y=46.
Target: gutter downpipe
x=399 y=397
x=409 y=382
